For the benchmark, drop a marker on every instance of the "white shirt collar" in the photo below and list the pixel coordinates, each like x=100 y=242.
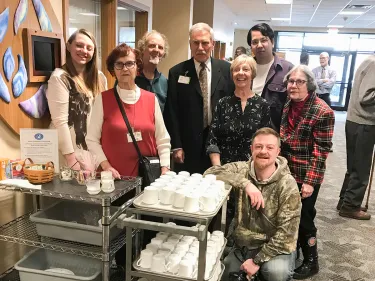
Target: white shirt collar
x=129 y=96
x=198 y=65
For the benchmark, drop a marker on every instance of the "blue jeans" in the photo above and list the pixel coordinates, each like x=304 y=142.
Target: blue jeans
x=279 y=268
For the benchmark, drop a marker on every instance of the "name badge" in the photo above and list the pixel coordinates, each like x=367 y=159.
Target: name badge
x=184 y=79
x=137 y=136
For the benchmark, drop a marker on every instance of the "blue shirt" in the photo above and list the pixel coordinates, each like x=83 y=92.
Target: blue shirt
x=158 y=86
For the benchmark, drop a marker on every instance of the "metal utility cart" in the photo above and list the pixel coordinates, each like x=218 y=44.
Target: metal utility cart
x=23 y=231
x=132 y=219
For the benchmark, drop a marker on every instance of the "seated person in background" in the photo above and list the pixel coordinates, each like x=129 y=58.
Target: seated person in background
x=240 y=51
x=268 y=211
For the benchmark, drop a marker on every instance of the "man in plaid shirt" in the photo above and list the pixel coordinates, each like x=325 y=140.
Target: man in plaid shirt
x=306 y=132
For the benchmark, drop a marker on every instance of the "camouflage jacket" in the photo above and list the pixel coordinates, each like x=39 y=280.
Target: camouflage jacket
x=273 y=229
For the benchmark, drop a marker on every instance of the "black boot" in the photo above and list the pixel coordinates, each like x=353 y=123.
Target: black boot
x=310 y=264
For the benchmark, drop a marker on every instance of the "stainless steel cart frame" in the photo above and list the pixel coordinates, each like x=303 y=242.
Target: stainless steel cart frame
x=132 y=220
x=26 y=232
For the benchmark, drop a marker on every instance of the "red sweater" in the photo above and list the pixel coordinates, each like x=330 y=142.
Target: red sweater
x=120 y=153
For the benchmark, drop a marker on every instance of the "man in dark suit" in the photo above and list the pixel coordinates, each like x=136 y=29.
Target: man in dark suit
x=194 y=88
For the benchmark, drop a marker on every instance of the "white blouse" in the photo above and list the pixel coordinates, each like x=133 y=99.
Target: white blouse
x=163 y=140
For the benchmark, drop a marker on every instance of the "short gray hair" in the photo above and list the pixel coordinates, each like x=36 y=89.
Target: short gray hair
x=142 y=43
x=247 y=60
x=324 y=54
x=310 y=77
x=201 y=26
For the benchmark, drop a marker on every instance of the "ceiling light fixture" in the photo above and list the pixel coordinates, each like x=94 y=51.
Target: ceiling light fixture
x=333 y=31
x=351 y=13
x=280 y=19
x=235 y=23
x=121 y=8
x=279 y=2
x=89 y=14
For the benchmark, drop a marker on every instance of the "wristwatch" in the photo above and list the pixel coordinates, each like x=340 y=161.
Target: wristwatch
x=258 y=261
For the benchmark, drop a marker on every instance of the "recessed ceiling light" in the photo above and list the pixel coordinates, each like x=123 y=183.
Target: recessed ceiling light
x=89 y=14
x=235 y=23
x=121 y=8
x=280 y=2
x=351 y=13
x=280 y=19
x=335 y=26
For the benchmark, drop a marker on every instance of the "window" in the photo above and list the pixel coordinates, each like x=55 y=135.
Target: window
x=86 y=14
x=125 y=24
x=290 y=40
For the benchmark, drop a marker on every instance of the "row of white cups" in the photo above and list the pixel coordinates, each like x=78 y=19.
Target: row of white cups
x=189 y=193
x=178 y=255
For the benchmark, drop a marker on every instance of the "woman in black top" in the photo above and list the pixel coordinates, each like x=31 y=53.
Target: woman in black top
x=237 y=117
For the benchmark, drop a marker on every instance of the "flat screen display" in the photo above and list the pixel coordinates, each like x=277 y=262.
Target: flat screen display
x=44 y=56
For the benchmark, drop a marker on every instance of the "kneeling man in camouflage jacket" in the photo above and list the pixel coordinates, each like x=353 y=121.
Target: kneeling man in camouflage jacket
x=268 y=212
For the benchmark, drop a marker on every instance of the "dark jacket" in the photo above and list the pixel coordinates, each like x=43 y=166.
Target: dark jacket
x=274 y=90
x=158 y=86
x=183 y=113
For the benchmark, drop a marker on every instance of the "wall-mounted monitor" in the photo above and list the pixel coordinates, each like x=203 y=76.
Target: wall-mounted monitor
x=45 y=52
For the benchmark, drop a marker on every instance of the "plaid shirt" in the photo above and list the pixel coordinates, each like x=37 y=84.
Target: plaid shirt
x=306 y=147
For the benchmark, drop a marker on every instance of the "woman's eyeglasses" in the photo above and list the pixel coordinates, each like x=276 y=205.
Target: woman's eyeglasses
x=298 y=82
x=129 y=65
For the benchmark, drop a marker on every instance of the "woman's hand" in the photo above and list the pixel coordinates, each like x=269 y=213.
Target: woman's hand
x=164 y=170
x=107 y=167
x=72 y=162
x=306 y=190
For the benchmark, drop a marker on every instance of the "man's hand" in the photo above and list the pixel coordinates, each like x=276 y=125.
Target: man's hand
x=325 y=80
x=179 y=155
x=250 y=267
x=255 y=195
x=306 y=190
x=106 y=166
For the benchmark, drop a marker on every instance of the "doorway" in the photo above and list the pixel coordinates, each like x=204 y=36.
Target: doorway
x=343 y=64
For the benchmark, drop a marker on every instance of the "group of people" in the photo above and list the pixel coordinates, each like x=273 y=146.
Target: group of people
x=256 y=123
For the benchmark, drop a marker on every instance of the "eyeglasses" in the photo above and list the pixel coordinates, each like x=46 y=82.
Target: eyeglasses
x=129 y=65
x=262 y=40
x=298 y=82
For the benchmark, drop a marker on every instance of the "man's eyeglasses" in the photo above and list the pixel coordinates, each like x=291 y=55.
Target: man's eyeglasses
x=262 y=40
x=129 y=65
x=298 y=82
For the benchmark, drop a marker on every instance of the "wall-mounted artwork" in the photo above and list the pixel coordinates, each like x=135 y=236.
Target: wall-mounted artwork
x=8 y=63
x=20 y=79
x=4 y=18
x=20 y=14
x=4 y=92
x=44 y=21
x=36 y=106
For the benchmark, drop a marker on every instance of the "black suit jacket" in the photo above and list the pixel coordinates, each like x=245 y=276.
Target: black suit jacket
x=183 y=113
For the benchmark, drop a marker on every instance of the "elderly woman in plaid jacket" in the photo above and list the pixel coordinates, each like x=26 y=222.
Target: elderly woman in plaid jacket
x=306 y=132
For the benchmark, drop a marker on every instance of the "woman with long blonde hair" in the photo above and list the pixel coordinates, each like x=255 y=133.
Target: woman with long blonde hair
x=70 y=94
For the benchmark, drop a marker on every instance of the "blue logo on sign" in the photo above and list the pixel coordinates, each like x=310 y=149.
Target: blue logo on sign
x=39 y=136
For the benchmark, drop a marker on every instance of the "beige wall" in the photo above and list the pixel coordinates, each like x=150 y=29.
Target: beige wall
x=174 y=21
x=203 y=11
x=9 y=141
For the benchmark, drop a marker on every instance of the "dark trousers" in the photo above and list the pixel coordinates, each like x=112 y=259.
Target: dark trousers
x=308 y=212
x=326 y=98
x=360 y=140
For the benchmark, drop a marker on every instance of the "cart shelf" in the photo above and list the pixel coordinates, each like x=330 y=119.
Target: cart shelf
x=71 y=190
x=23 y=231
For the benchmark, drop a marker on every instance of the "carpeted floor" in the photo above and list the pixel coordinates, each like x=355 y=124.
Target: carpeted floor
x=346 y=246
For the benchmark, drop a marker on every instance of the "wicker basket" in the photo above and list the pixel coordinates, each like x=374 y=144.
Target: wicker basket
x=38 y=176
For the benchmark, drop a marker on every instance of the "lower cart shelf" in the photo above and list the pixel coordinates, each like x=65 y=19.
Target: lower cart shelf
x=12 y=275
x=23 y=231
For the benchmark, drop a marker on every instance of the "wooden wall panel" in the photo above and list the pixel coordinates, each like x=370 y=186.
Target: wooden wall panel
x=141 y=25
x=217 y=50
x=222 y=50
x=10 y=113
x=108 y=34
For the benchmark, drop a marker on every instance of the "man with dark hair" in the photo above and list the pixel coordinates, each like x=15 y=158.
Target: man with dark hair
x=271 y=70
x=240 y=51
x=304 y=58
x=268 y=211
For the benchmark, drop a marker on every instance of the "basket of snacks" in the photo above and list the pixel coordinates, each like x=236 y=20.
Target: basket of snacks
x=38 y=173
